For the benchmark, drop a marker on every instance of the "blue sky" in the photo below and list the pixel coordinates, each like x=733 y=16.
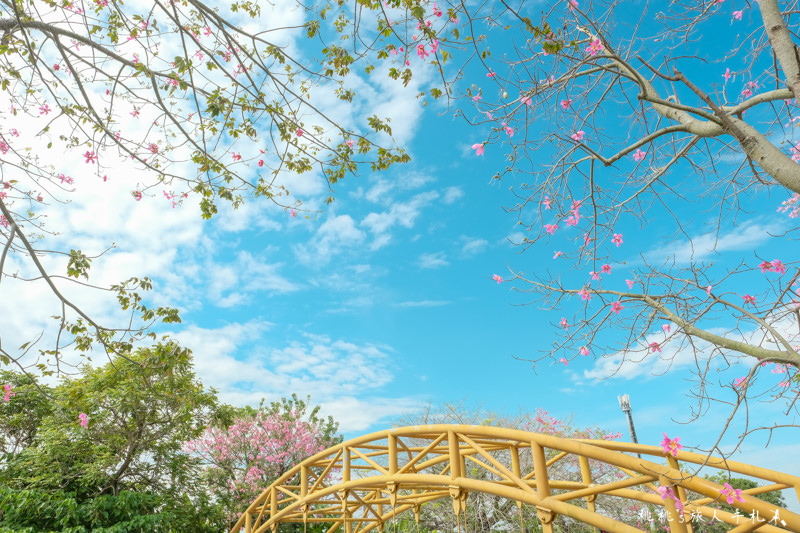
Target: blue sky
x=384 y=302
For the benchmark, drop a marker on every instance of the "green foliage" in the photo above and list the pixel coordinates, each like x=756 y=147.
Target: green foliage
x=127 y=468
x=36 y=511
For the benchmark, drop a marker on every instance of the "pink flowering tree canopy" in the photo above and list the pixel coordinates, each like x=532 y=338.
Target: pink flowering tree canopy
x=636 y=160
x=257 y=447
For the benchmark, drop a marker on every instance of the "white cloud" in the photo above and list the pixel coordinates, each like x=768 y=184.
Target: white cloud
x=346 y=379
x=336 y=235
x=423 y=303
x=452 y=194
x=473 y=246
x=434 y=260
x=748 y=236
x=402 y=214
x=243 y=278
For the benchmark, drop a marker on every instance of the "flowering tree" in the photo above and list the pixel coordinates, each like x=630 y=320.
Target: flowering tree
x=258 y=447
x=611 y=123
x=182 y=99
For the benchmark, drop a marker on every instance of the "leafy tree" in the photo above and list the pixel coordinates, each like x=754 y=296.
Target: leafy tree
x=184 y=97
x=612 y=117
x=258 y=446
x=121 y=458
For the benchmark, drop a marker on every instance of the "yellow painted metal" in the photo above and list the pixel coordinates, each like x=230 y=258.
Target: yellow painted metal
x=361 y=484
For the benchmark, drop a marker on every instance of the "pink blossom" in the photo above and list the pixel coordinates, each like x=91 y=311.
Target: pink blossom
x=578 y=135
x=137 y=195
x=90 y=157
x=153 y=147
x=509 y=131
x=738 y=16
x=671 y=445
x=546 y=202
x=564 y=324
x=526 y=100
x=616 y=307
x=84 y=418
x=729 y=492
x=350 y=142
x=630 y=283
x=550 y=228
x=135 y=113
x=44 y=109
x=638 y=155
x=261 y=162
x=421 y=52
x=562 y=360
x=584 y=350
x=476 y=98
x=497 y=278
x=708 y=290
x=779 y=267
x=749 y=299
x=585 y=295
x=594 y=275
x=298 y=132
x=740 y=382
x=666 y=328
x=566 y=103
x=667 y=492
x=727 y=74
x=558 y=254
x=765 y=266
x=655 y=347
x=293 y=213
x=236 y=157
x=491 y=74
x=605 y=269
x=8 y=392
x=595 y=47
x=478 y=147
x=617 y=239
x=4 y=147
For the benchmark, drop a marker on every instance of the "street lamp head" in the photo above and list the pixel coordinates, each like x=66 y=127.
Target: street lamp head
x=624 y=403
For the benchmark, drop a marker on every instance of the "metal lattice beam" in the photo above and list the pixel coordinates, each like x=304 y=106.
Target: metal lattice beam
x=361 y=484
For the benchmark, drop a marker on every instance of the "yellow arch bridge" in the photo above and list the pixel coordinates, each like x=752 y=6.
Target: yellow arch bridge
x=368 y=482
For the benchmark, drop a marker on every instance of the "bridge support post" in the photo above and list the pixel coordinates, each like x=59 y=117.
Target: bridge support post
x=546 y=516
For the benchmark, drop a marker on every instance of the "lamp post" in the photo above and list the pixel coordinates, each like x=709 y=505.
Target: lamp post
x=625 y=404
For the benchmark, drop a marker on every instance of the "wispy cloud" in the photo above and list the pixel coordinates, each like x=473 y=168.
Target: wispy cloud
x=423 y=303
x=473 y=246
x=434 y=260
x=748 y=236
x=400 y=214
x=336 y=235
x=346 y=379
x=452 y=194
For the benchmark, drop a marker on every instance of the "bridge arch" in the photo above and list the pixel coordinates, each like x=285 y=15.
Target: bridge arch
x=363 y=483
